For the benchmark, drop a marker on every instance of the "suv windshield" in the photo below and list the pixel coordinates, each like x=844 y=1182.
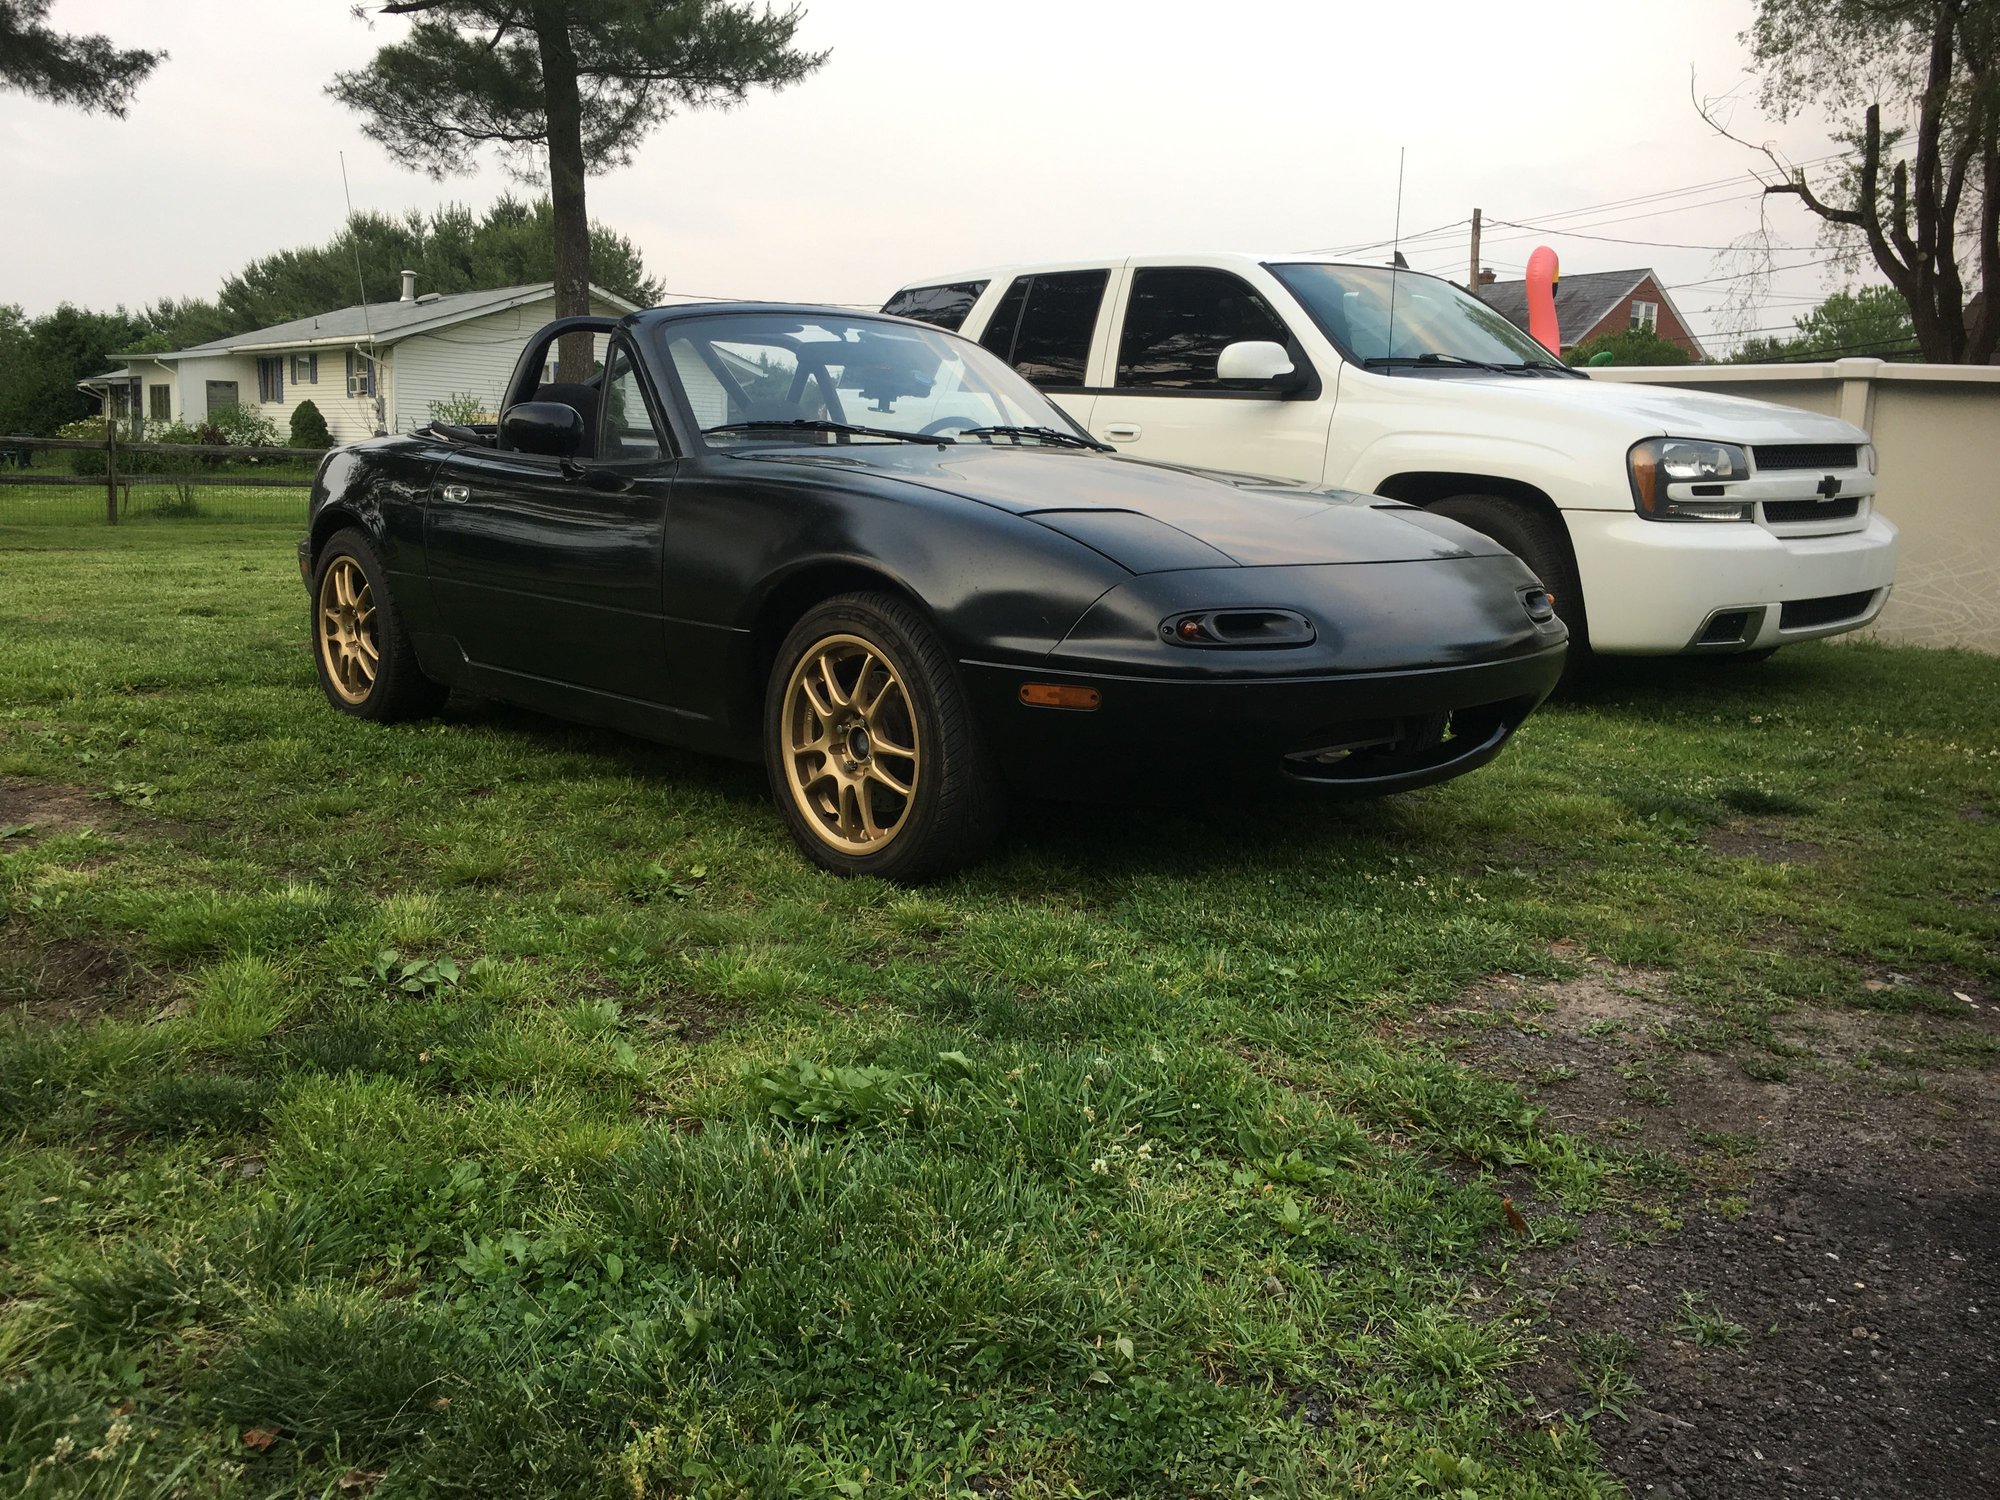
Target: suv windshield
x=762 y=377
x=1351 y=304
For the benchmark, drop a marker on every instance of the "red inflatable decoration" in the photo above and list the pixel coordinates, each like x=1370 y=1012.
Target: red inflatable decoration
x=1543 y=274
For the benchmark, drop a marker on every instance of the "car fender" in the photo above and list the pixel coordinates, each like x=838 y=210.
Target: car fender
x=1569 y=479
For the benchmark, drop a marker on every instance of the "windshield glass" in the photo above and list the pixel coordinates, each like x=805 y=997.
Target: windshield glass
x=1351 y=306
x=787 y=367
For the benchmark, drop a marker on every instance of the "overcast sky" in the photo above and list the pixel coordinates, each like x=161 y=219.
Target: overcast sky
x=942 y=137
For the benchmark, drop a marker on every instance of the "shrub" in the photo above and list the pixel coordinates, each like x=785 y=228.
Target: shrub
x=241 y=425
x=1631 y=346
x=309 y=429
x=179 y=502
x=462 y=409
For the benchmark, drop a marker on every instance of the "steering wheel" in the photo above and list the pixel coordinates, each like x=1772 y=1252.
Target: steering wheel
x=931 y=429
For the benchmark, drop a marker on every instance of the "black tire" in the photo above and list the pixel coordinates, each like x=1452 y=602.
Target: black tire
x=1539 y=540
x=397 y=688
x=952 y=807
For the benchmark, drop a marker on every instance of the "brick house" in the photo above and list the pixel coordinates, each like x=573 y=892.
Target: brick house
x=1590 y=304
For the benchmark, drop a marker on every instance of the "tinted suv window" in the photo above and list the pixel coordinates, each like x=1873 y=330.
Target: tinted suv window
x=1178 y=322
x=1043 y=325
x=944 y=306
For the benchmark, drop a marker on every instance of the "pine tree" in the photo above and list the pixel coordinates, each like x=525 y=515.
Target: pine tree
x=562 y=86
x=86 y=72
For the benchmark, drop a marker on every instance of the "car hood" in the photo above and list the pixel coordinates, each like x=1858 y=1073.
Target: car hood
x=1665 y=411
x=1152 y=518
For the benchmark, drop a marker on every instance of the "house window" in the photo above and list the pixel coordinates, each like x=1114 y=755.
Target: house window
x=360 y=374
x=160 y=403
x=271 y=380
x=305 y=369
x=1646 y=315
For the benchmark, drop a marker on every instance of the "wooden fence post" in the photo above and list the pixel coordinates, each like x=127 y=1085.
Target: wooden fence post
x=110 y=472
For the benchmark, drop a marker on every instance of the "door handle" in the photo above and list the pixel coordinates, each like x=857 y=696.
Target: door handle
x=457 y=494
x=1122 y=432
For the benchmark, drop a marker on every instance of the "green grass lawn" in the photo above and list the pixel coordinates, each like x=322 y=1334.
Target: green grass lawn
x=492 y=1107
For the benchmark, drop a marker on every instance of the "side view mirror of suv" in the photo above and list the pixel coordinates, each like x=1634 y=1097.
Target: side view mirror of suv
x=1260 y=363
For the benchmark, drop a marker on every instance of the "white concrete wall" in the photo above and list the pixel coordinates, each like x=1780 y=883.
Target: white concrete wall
x=470 y=358
x=1936 y=428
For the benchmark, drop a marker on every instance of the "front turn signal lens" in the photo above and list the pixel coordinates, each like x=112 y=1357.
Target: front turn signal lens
x=1059 y=695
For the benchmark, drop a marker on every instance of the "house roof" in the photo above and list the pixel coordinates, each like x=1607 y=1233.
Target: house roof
x=384 y=322
x=1583 y=298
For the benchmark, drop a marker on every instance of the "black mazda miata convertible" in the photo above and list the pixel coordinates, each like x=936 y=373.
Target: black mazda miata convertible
x=868 y=553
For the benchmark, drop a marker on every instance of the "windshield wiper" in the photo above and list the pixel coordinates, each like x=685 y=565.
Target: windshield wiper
x=1453 y=361
x=1046 y=434
x=1540 y=367
x=807 y=424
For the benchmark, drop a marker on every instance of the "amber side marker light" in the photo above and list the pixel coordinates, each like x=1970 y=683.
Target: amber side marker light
x=1059 y=695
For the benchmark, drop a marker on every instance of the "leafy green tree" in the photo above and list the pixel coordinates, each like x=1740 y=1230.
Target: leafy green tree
x=86 y=72
x=562 y=86
x=1930 y=220
x=181 y=322
x=451 y=250
x=1629 y=346
x=42 y=359
x=1873 y=320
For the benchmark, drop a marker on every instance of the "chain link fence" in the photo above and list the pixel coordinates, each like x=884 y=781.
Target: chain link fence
x=109 y=482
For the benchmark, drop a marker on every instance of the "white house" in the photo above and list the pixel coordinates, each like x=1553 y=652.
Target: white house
x=369 y=369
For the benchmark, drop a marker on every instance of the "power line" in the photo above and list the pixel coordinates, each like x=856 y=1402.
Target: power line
x=1762 y=271
x=1612 y=239
x=1543 y=223
x=1378 y=244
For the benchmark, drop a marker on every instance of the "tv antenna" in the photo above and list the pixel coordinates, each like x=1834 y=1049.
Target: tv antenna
x=1397 y=265
x=361 y=286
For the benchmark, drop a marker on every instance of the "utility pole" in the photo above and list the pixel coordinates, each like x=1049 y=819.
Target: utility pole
x=1472 y=280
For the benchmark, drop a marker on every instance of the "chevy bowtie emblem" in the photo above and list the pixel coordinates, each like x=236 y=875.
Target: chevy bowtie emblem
x=1828 y=487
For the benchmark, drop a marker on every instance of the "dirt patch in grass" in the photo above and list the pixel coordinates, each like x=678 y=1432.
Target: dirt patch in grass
x=70 y=980
x=45 y=809
x=1815 y=1315
x=1762 y=841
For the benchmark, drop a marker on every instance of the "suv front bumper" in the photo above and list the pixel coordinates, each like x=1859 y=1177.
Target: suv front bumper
x=1654 y=588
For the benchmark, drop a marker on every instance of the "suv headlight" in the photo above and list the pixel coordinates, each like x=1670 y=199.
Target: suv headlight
x=1659 y=462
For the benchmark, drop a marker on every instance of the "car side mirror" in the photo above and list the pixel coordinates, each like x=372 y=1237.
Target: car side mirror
x=1258 y=362
x=546 y=427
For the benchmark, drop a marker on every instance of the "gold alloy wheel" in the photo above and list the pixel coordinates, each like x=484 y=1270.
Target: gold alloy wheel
x=850 y=744
x=347 y=645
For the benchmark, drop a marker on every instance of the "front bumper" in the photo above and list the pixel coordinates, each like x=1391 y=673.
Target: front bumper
x=1350 y=735
x=1655 y=588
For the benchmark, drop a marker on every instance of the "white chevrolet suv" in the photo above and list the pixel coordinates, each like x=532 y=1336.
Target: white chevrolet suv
x=1663 y=521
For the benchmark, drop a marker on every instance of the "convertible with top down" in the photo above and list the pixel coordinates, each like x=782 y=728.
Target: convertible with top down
x=868 y=553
